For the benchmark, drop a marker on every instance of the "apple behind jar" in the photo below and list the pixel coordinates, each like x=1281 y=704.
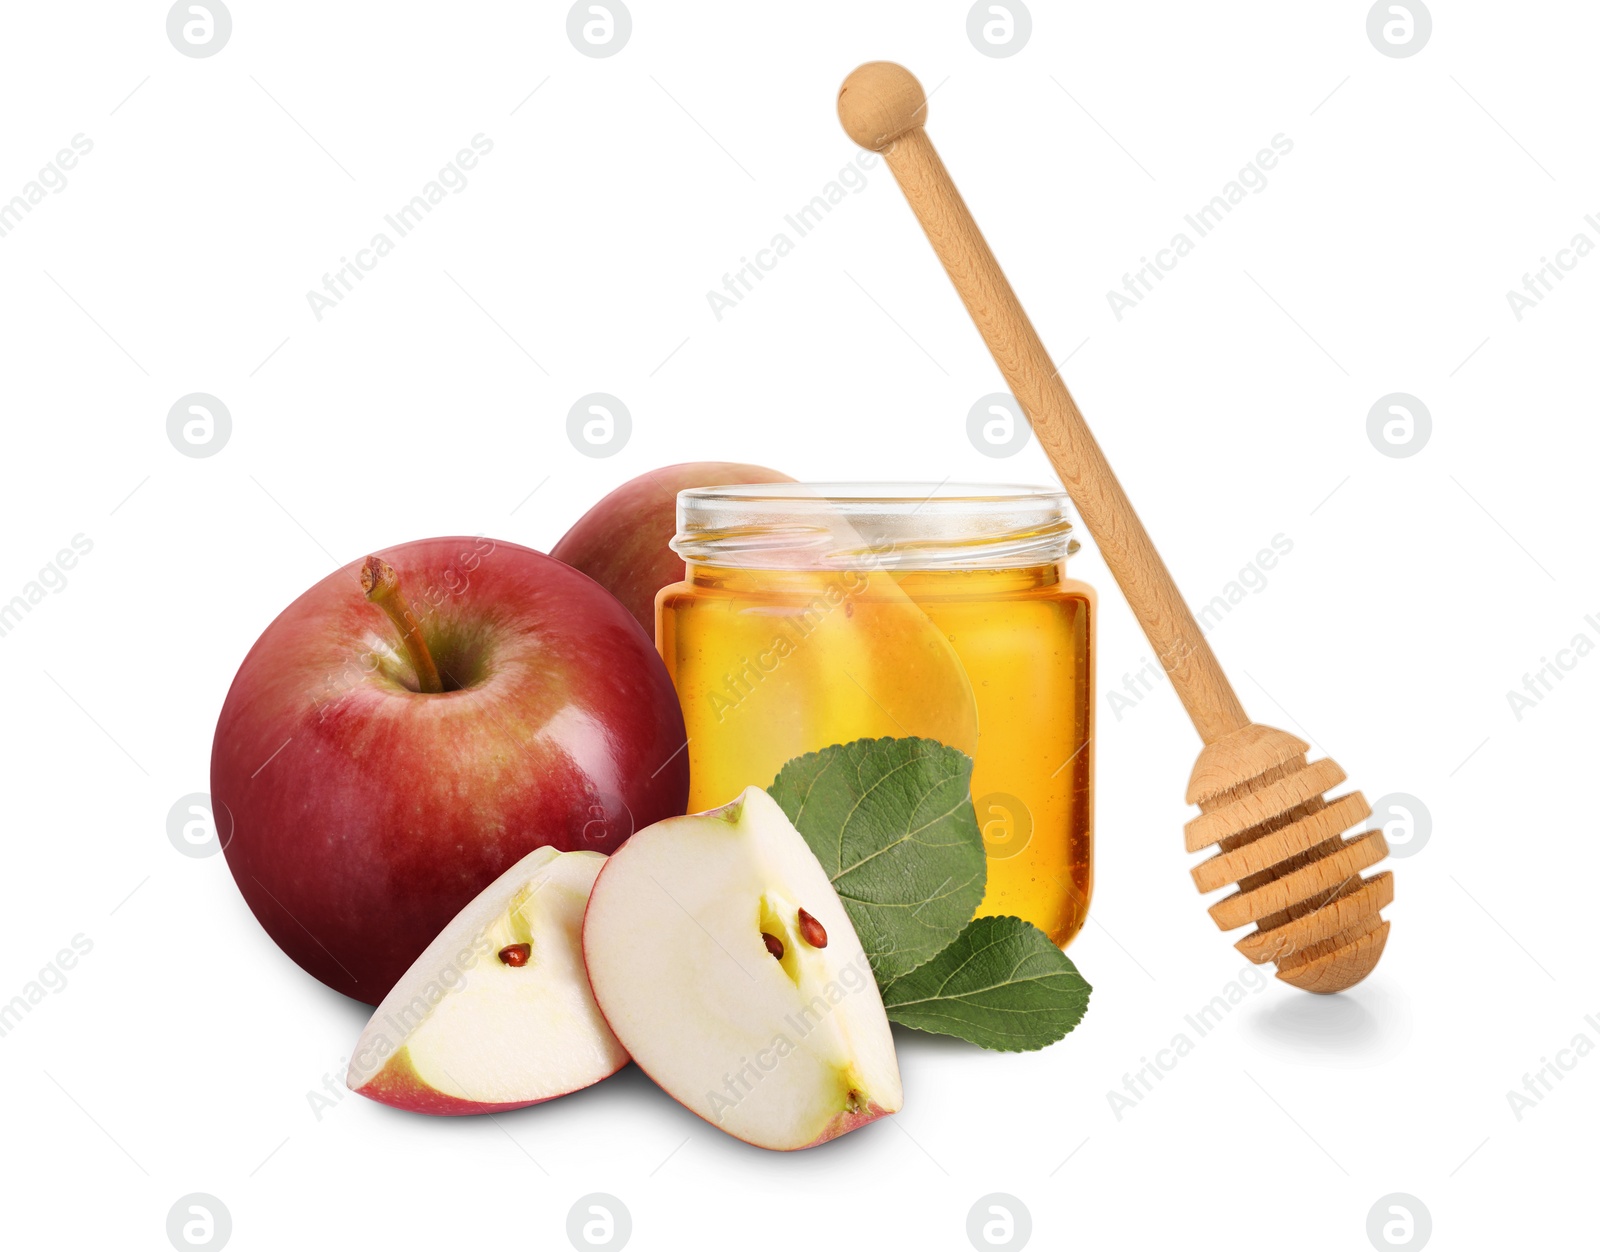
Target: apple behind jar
x=726 y=965
x=361 y=811
x=496 y=1013
x=622 y=541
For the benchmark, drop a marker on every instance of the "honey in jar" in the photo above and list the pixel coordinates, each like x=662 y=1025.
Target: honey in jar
x=815 y=614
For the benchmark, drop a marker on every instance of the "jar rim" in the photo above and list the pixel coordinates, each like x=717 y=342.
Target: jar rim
x=873 y=525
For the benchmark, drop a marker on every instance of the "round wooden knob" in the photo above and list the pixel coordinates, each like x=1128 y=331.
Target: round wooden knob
x=879 y=102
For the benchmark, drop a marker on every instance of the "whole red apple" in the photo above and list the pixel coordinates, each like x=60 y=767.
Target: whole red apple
x=415 y=724
x=621 y=542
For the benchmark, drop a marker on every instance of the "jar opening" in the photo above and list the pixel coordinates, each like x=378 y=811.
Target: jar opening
x=907 y=526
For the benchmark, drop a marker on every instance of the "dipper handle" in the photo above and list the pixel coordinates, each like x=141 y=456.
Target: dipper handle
x=882 y=107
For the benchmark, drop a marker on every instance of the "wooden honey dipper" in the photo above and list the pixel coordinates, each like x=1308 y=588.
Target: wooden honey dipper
x=1261 y=804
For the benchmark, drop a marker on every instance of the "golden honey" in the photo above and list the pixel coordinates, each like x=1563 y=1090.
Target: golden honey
x=817 y=615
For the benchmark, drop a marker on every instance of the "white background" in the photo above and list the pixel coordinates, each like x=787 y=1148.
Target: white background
x=1233 y=401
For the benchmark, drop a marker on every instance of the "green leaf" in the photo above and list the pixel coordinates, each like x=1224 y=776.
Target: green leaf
x=1002 y=984
x=891 y=821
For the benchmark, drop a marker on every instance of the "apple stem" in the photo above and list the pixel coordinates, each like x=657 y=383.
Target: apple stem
x=382 y=586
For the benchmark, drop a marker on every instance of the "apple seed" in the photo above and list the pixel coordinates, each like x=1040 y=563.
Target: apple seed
x=516 y=954
x=774 y=944
x=811 y=930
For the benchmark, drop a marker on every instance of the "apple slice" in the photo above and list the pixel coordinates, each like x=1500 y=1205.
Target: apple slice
x=496 y=1013
x=723 y=960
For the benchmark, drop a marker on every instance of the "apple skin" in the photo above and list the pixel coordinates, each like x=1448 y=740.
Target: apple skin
x=621 y=542
x=397 y=1085
x=843 y=1124
x=365 y=814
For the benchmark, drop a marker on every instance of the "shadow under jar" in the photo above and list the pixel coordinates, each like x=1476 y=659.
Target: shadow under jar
x=815 y=614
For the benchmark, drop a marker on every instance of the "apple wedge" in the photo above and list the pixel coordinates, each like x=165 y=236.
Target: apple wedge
x=496 y=1013
x=723 y=960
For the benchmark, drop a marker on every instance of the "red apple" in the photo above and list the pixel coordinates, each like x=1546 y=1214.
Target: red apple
x=621 y=542
x=415 y=724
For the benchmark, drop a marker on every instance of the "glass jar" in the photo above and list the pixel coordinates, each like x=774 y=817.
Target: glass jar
x=815 y=614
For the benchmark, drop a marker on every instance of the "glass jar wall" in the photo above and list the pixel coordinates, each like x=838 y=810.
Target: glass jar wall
x=820 y=614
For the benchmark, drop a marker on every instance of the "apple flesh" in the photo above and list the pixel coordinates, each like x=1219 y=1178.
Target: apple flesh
x=496 y=1013
x=726 y=965
x=362 y=811
x=621 y=542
